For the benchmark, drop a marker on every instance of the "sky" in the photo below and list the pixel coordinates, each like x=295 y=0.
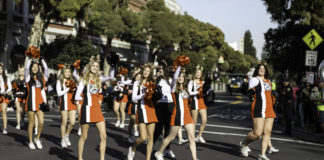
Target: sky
x=233 y=17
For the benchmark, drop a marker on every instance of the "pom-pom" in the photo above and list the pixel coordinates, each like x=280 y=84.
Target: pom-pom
x=15 y=86
x=33 y=52
x=157 y=93
x=123 y=71
x=76 y=64
x=113 y=59
x=44 y=107
x=150 y=87
x=60 y=66
x=2 y=98
x=71 y=84
x=181 y=60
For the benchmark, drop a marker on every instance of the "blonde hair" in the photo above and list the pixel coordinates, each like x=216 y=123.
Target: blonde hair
x=198 y=68
x=61 y=76
x=86 y=76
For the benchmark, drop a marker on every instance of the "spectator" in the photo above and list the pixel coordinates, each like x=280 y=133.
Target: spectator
x=307 y=104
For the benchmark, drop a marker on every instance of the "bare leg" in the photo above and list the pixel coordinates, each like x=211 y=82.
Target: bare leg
x=203 y=115
x=82 y=139
x=18 y=112
x=173 y=133
x=190 y=128
x=142 y=138
x=40 y=116
x=31 y=123
x=267 y=134
x=150 y=136
x=64 y=115
x=4 y=114
x=116 y=110
x=122 y=111
x=101 y=126
x=258 y=127
x=131 y=125
x=72 y=115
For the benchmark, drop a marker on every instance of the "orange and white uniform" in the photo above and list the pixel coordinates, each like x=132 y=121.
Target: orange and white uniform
x=196 y=95
x=262 y=106
x=19 y=99
x=35 y=93
x=91 y=106
x=7 y=88
x=66 y=97
x=146 y=110
x=181 y=113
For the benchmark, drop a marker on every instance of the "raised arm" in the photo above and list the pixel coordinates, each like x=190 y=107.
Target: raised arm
x=45 y=72
x=59 y=90
x=175 y=79
x=27 y=66
x=253 y=82
x=106 y=78
x=75 y=74
x=79 y=91
x=128 y=82
x=190 y=85
x=136 y=97
x=9 y=86
x=2 y=86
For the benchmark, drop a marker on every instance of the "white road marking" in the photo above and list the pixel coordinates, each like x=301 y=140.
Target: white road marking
x=272 y=138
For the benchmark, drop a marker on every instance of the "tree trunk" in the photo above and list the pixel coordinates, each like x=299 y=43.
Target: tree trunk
x=37 y=30
x=108 y=46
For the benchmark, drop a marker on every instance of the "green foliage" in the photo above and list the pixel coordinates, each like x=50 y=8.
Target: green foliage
x=284 y=46
x=249 y=49
x=66 y=50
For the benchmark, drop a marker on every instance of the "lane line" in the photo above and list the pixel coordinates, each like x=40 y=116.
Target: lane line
x=237 y=102
x=272 y=138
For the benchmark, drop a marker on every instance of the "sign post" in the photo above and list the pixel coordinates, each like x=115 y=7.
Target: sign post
x=312 y=40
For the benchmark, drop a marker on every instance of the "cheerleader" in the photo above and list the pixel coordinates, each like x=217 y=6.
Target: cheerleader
x=36 y=96
x=121 y=100
x=146 y=116
x=68 y=108
x=261 y=111
x=132 y=110
x=197 y=104
x=180 y=115
x=77 y=65
x=91 y=113
x=20 y=93
x=164 y=107
x=4 y=97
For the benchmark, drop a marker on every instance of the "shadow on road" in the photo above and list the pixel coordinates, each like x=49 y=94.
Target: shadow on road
x=62 y=153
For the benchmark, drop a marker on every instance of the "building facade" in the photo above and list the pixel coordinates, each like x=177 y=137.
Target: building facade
x=16 y=22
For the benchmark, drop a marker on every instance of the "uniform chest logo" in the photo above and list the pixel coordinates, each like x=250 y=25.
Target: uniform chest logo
x=38 y=84
x=93 y=89
x=267 y=86
x=184 y=94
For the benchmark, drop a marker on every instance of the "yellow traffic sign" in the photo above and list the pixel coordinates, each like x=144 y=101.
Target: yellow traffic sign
x=312 y=39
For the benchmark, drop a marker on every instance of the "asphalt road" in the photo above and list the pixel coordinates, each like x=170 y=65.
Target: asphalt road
x=228 y=122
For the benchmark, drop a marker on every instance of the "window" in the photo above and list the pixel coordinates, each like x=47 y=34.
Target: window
x=18 y=7
x=3 y=5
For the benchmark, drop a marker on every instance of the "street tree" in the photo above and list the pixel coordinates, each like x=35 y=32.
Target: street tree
x=249 y=49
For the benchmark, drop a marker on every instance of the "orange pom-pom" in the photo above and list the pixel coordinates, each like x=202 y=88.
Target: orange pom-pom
x=2 y=98
x=33 y=52
x=123 y=71
x=71 y=84
x=181 y=60
x=150 y=86
x=60 y=66
x=15 y=86
x=76 y=64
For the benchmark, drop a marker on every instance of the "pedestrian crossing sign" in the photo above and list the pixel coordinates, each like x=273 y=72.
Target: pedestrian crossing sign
x=312 y=39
